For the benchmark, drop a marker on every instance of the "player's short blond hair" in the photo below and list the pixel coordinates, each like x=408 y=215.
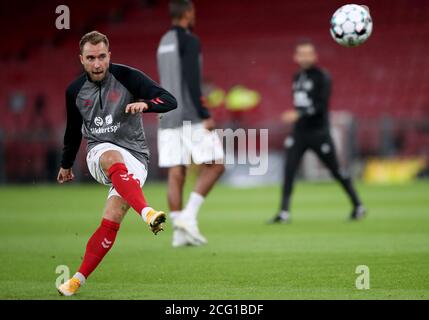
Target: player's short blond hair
x=93 y=37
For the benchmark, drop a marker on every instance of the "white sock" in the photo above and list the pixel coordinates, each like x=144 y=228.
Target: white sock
x=193 y=206
x=174 y=215
x=81 y=278
x=144 y=213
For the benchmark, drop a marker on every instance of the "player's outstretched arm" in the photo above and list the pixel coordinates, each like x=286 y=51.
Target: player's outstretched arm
x=136 y=107
x=148 y=95
x=163 y=102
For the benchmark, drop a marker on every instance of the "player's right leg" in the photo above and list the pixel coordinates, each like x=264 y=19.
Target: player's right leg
x=98 y=245
x=295 y=149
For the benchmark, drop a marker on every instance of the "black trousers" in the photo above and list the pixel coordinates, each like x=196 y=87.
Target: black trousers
x=321 y=143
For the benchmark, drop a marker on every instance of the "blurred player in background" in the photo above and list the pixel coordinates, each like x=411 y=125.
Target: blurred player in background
x=105 y=104
x=187 y=132
x=311 y=92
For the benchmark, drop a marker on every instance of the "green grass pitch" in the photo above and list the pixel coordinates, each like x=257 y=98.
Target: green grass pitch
x=315 y=257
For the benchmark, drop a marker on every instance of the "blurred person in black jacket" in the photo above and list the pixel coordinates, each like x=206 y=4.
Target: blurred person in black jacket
x=311 y=129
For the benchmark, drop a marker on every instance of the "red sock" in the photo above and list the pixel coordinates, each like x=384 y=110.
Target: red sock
x=98 y=245
x=127 y=187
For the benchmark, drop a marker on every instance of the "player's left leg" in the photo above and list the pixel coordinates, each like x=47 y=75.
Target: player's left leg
x=325 y=149
x=208 y=176
x=99 y=244
x=128 y=187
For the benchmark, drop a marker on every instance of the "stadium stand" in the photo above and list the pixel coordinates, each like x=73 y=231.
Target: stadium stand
x=384 y=77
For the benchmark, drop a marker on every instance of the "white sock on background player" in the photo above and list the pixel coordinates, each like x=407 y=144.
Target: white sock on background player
x=192 y=208
x=174 y=215
x=179 y=236
x=187 y=220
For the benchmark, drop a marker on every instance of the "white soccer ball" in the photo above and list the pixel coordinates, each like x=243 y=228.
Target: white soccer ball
x=351 y=25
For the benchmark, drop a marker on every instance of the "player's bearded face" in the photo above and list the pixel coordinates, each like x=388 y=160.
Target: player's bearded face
x=95 y=59
x=305 y=56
